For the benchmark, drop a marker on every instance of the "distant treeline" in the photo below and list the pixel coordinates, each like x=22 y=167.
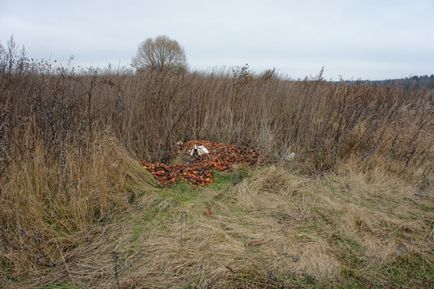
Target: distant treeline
x=422 y=81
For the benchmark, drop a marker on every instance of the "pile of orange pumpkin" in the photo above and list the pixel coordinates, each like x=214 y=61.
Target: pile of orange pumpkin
x=197 y=170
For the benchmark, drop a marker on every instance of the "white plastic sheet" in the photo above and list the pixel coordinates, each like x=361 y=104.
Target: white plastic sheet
x=199 y=150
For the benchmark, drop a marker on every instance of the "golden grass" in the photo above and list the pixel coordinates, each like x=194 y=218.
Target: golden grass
x=45 y=202
x=258 y=233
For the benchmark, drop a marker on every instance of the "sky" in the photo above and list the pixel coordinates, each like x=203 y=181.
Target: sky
x=366 y=39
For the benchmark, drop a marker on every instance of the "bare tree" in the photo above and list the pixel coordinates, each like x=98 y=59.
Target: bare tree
x=159 y=53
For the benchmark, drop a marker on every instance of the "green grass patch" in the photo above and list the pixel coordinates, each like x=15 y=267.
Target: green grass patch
x=225 y=179
x=154 y=217
x=410 y=271
x=5 y=264
x=427 y=207
x=181 y=192
x=350 y=252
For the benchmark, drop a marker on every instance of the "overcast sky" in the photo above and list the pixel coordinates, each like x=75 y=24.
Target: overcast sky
x=355 y=39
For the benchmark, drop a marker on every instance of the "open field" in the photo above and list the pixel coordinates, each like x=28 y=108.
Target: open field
x=354 y=209
x=273 y=229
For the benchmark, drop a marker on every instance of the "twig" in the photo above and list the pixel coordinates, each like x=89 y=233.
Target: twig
x=183 y=221
x=115 y=256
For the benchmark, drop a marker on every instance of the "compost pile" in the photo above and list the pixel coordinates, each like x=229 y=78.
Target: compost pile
x=197 y=169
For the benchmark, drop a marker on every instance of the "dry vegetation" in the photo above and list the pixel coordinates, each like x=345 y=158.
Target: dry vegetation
x=69 y=145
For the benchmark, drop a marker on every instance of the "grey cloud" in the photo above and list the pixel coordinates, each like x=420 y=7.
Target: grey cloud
x=356 y=39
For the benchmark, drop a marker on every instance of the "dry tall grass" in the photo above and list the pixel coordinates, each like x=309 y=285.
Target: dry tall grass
x=149 y=112
x=68 y=138
x=271 y=230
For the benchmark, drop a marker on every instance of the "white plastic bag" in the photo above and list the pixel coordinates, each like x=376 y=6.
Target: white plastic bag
x=199 y=150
